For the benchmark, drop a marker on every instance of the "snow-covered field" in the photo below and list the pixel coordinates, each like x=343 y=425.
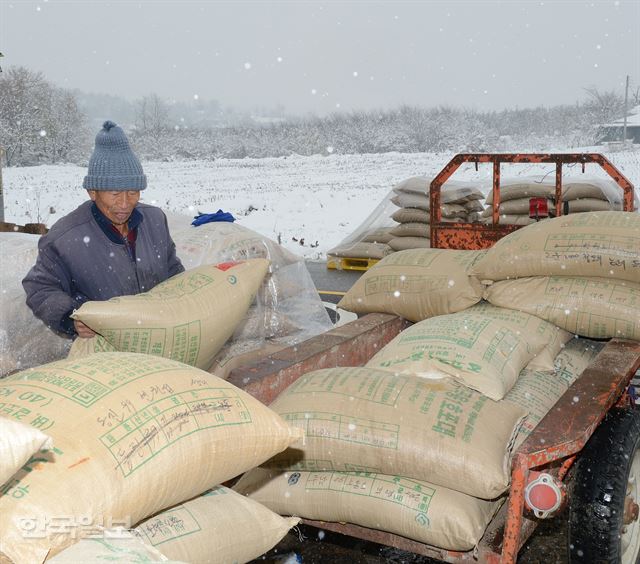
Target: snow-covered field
x=316 y=200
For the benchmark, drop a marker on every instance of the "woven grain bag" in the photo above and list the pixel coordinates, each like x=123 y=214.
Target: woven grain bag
x=407 y=243
x=599 y=308
x=133 y=434
x=18 y=441
x=411 y=508
x=367 y=419
x=538 y=391
x=484 y=347
x=601 y=244
x=417 y=284
x=187 y=318
x=218 y=527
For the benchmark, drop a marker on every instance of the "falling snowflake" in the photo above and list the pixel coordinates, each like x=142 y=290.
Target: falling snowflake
x=86 y=239
x=43 y=133
x=247 y=66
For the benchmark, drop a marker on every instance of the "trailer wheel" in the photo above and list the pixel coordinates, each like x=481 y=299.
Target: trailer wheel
x=603 y=512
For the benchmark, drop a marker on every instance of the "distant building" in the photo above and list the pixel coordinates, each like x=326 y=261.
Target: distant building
x=610 y=132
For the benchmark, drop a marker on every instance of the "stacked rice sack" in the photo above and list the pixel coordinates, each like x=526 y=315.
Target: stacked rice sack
x=134 y=435
x=581 y=272
x=584 y=195
x=418 y=442
x=460 y=201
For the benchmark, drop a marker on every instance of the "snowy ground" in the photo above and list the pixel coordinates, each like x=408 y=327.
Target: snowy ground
x=318 y=200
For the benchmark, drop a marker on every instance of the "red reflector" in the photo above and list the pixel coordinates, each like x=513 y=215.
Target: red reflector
x=543 y=497
x=538 y=208
x=227 y=265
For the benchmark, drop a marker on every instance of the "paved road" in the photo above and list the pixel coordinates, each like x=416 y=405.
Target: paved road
x=311 y=546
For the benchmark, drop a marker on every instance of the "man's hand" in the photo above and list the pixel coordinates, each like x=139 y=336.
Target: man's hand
x=82 y=330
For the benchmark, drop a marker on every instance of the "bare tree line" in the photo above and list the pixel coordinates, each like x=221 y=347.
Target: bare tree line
x=40 y=123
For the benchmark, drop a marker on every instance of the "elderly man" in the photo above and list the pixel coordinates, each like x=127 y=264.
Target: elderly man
x=109 y=246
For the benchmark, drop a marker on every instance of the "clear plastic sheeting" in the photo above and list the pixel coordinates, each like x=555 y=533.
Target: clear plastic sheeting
x=24 y=340
x=372 y=235
x=287 y=310
x=407 y=204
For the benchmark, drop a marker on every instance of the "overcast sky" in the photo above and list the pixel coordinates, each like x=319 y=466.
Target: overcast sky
x=322 y=56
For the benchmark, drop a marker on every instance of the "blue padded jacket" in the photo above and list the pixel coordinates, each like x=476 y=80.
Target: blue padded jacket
x=77 y=262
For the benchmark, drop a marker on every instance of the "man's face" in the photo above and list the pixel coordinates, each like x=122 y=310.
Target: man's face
x=117 y=206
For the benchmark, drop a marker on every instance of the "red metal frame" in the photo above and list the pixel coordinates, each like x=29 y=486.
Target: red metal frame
x=478 y=236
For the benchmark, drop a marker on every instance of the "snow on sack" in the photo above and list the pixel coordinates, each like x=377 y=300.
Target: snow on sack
x=133 y=434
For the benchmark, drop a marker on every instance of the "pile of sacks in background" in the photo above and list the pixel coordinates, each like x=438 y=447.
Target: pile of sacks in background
x=584 y=195
x=419 y=441
x=389 y=229
x=460 y=201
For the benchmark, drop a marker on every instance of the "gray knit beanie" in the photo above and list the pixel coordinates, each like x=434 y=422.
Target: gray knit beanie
x=113 y=166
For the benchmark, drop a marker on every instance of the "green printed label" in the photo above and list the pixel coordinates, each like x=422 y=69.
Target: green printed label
x=339 y=427
x=178 y=287
x=376 y=387
x=419 y=257
x=405 y=284
x=454 y=419
x=501 y=348
x=393 y=489
x=183 y=341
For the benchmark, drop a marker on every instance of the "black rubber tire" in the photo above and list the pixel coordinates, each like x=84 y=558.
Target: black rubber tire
x=599 y=489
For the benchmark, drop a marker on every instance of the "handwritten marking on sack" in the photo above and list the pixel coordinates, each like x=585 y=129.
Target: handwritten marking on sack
x=170 y=525
x=593 y=248
x=143 y=435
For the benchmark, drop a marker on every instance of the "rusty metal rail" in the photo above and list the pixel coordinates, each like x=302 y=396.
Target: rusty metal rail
x=477 y=236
